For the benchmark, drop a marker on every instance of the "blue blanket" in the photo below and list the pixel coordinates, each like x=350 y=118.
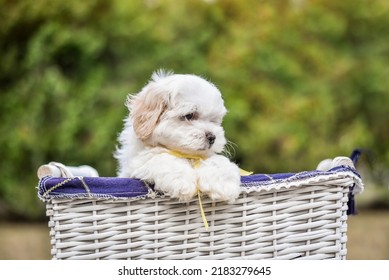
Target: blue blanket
x=119 y=188
x=114 y=187
x=127 y=188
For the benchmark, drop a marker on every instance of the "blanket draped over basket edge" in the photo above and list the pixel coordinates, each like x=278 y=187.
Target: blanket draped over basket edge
x=126 y=188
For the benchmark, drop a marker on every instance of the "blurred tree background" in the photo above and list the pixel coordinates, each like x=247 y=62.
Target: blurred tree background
x=303 y=80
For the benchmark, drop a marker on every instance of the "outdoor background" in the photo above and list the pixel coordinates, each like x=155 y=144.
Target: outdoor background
x=303 y=80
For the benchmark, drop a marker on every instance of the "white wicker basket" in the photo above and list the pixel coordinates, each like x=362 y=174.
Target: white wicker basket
x=300 y=218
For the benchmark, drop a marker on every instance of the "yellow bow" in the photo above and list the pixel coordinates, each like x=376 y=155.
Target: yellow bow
x=196 y=161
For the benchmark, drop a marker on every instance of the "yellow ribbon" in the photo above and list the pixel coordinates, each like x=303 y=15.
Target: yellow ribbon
x=244 y=172
x=196 y=161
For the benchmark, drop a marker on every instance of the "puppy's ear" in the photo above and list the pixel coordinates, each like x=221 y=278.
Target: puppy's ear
x=146 y=109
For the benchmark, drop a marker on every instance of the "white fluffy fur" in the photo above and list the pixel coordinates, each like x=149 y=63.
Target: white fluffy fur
x=178 y=113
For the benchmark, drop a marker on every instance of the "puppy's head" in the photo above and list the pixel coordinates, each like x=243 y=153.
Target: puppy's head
x=179 y=112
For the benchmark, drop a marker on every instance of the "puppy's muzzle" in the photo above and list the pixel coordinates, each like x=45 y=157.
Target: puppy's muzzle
x=210 y=138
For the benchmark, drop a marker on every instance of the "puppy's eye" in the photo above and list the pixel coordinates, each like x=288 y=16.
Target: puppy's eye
x=189 y=117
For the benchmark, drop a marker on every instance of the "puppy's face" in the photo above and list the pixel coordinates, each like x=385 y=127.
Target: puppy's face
x=180 y=112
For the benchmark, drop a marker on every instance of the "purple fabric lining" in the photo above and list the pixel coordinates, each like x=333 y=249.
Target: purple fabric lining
x=113 y=187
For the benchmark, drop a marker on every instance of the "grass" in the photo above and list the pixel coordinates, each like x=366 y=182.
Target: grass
x=368 y=238
x=24 y=241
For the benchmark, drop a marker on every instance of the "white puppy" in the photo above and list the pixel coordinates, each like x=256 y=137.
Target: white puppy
x=173 y=138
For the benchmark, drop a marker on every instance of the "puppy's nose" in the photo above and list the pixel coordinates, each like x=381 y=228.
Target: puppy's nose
x=210 y=137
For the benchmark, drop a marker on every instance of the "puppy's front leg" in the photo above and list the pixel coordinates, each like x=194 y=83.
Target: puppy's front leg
x=219 y=178
x=173 y=176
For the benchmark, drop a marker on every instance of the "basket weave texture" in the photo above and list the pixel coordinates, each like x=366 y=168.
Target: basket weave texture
x=281 y=219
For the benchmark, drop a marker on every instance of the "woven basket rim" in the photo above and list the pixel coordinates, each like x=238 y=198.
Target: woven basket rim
x=77 y=187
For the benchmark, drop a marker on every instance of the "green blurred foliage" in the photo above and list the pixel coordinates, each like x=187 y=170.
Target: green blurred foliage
x=303 y=80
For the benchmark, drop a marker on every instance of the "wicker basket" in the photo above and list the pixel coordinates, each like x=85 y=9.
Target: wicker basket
x=284 y=216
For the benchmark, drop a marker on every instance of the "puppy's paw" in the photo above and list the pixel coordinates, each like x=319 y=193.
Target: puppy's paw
x=178 y=185
x=219 y=179
x=222 y=191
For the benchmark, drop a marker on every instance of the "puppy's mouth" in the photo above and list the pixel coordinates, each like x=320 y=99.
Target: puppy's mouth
x=195 y=151
x=197 y=144
x=207 y=143
x=201 y=151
